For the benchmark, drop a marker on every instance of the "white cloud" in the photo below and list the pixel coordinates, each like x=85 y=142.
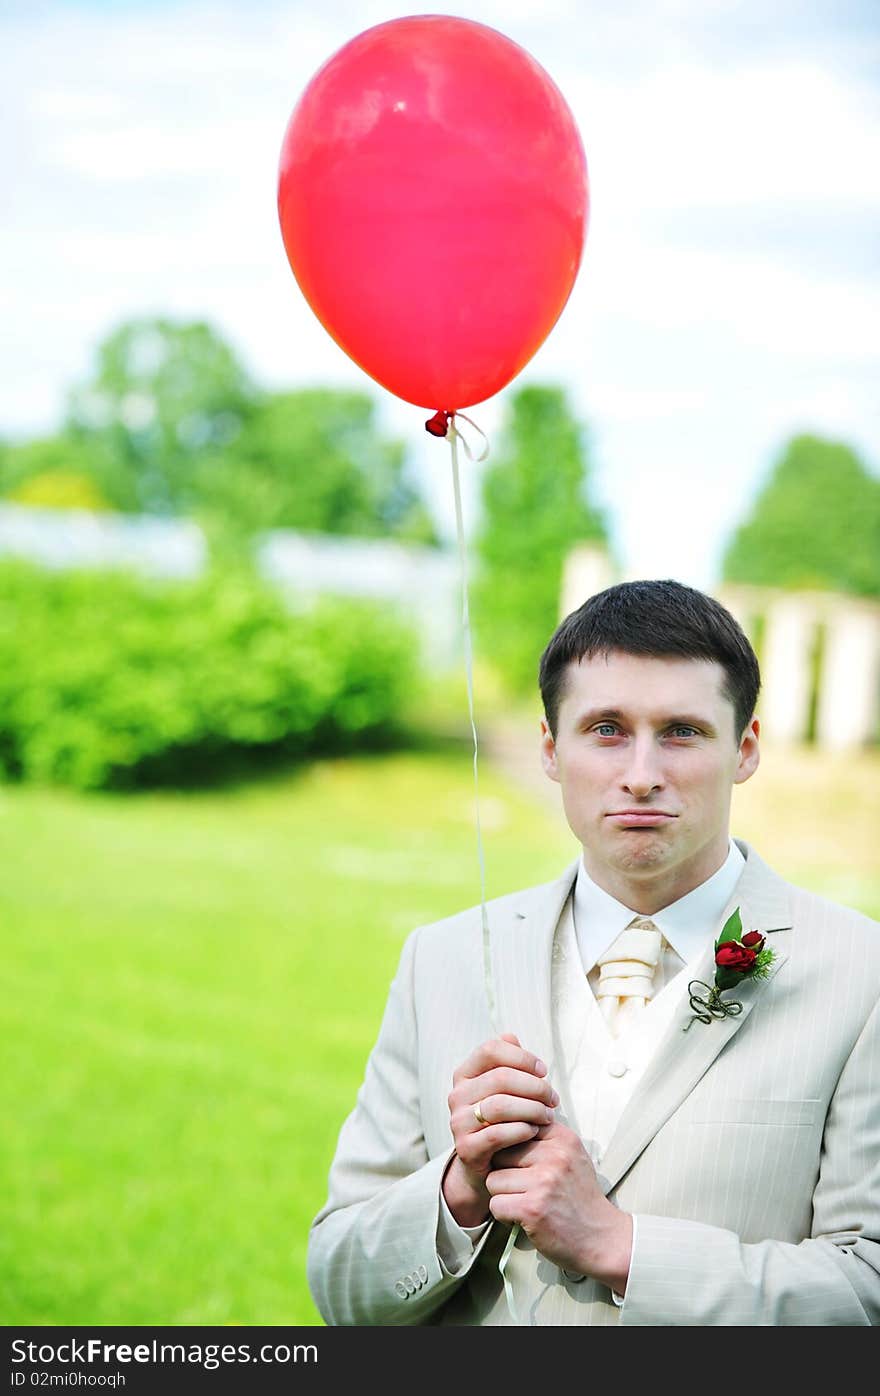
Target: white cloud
x=687 y=136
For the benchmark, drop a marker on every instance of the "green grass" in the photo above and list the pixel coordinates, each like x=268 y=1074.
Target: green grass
x=815 y=818
x=191 y=983
x=190 y=986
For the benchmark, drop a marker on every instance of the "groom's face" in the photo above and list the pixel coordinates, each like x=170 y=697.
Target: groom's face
x=647 y=754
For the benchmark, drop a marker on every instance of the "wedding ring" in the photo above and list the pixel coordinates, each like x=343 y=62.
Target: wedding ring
x=479 y=1116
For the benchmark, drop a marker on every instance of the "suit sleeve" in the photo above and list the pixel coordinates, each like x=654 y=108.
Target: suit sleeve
x=688 y=1274
x=372 y=1254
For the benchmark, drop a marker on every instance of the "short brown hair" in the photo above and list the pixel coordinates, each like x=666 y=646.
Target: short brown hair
x=660 y=619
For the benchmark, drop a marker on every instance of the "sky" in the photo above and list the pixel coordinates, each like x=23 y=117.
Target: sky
x=728 y=296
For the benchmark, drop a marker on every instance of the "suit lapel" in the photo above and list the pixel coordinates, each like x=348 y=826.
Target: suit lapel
x=683 y=1057
x=522 y=947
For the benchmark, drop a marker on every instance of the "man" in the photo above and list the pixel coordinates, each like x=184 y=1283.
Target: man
x=660 y=1152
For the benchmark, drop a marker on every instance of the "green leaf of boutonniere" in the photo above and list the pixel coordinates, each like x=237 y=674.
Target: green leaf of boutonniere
x=727 y=979
x=732 y=928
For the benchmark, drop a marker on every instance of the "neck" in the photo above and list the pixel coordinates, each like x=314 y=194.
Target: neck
x=648 y=891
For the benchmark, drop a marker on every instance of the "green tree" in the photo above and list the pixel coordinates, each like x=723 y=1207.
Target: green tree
x=535 y=508
x=56 y=471
x=163 y=395
x=60 y=489
x=313 y=460
x=815 y=523
x=170 y=423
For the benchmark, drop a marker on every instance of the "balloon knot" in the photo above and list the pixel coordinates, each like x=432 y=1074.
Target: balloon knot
x=438 y=425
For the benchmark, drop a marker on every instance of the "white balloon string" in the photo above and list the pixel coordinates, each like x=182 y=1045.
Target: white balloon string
x=502 y=1270
x=454 y=437
x=467 y=450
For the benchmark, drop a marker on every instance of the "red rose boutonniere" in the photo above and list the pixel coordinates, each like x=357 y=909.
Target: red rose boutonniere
x=737 y=957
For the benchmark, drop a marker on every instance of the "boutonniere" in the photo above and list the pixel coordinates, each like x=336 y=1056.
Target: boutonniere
x=737 y=957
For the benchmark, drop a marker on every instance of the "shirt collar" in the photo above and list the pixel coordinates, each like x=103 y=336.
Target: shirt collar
x=599 y=918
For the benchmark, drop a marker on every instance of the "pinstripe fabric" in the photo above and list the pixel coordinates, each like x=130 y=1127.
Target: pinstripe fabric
x=749 y=1150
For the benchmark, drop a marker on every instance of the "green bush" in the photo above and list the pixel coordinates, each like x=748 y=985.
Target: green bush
x=109 y=680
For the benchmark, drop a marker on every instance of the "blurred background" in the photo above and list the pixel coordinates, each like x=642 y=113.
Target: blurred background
x=234 y=748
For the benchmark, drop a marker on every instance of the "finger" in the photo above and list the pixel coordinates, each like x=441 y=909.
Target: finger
x=547 y=1131
x=507 y=1180
x=506 y=1080
x=513 y=1158
x=477 y=1148
x=516 y=1156
x=507 y=1208
x=501 y=1109
x=499 y=1051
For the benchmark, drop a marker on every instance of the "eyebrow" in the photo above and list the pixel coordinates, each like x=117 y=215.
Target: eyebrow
x=591 y=715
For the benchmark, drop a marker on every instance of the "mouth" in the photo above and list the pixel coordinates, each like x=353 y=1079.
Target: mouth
x=641 y=819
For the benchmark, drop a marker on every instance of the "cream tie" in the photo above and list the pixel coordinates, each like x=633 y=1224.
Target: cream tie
x=626 y=973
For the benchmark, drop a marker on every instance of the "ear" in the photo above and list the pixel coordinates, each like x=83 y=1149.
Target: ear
x=749 y=754
x=548 y=751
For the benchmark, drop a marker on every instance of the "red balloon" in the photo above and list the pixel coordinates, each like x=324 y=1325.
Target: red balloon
x=433 y=201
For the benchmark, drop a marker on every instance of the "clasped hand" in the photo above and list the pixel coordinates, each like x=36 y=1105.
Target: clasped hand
x=524 y=1167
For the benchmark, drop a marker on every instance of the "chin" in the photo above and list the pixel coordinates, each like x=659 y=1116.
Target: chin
x=649 y=860
x=642 y=853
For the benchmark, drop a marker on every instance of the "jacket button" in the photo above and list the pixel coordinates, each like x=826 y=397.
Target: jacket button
x=423 y=1274
x=400 y=1289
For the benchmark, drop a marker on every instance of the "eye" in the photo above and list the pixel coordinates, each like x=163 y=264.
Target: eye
x=605 y=729
x=683 y=730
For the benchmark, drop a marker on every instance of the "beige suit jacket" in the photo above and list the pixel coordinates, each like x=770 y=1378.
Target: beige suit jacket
x=749 y=1152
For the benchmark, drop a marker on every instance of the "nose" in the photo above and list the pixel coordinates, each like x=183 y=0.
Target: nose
x=643 y=773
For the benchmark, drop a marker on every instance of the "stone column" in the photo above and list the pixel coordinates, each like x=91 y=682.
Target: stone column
x=784 y=703
x=850 y=680
x=587 y=570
